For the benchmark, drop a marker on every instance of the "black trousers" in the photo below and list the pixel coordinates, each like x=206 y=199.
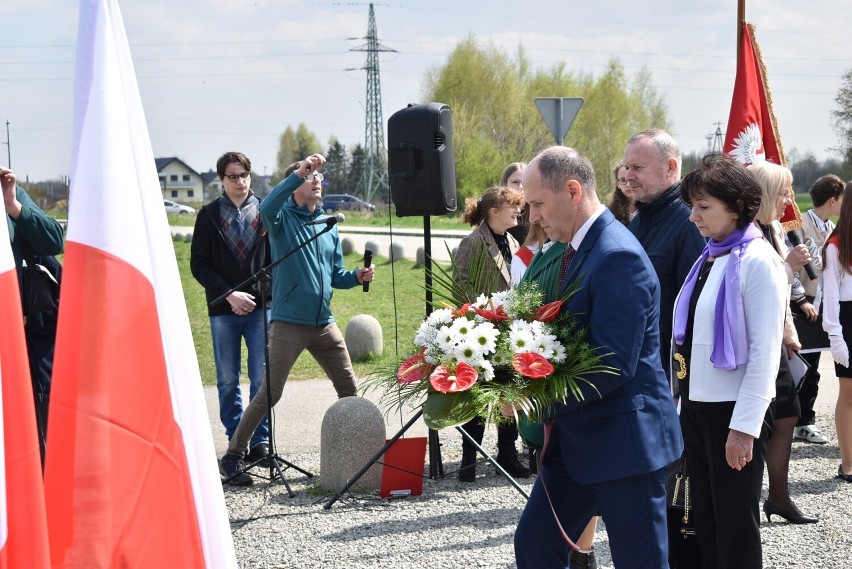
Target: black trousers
x=809 y=390
x=726 y=501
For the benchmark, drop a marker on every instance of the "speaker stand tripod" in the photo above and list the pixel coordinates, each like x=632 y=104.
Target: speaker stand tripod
x=277 y=464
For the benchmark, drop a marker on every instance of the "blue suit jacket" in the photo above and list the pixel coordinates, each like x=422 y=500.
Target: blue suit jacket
x=629 y=426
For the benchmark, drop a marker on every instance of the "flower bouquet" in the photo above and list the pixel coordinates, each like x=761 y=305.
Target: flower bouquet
x=500 y=354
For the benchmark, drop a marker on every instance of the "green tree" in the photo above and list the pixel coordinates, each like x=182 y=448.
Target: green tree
x=495 y=120
x=294 y=145
x=337 y=168
x=358 y=157
x=842 y=115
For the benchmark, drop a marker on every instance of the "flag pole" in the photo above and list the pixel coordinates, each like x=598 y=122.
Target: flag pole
x=740 y=21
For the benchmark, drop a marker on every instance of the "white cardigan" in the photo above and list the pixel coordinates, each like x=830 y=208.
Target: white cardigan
x=763 y=286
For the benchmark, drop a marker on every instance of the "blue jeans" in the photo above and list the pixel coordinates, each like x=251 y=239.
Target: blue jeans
x=228 y=332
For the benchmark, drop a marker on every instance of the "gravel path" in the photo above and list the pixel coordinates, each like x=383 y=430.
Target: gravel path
x=471 y=525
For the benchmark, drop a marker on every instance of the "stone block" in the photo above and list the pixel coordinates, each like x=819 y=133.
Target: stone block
x=363 y=337
x=353 y=430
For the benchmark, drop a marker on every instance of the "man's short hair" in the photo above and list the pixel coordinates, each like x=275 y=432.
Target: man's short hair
x=558 y=164
x=231 y=158
x=663 y=142
x=825 y=188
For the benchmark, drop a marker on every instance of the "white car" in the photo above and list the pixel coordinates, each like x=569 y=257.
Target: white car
x=172 y=207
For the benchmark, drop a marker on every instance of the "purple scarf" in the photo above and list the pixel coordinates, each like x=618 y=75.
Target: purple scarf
x=730 y=344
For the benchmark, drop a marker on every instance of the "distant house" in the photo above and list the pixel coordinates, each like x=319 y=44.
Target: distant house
x=178 y=181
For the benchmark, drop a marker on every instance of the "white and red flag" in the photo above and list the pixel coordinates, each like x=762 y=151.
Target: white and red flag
x=23 y=524
x=752 y=134
x=131 y=477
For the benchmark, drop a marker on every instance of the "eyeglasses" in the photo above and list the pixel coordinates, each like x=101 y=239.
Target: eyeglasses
x=235 y=177
x=314 y=176
x=622 y=181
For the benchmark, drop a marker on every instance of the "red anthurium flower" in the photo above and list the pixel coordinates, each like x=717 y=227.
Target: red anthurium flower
x=549 y=311
x=493 y=314
x=445 y=382
x=414 y=368
x=532 y=365
x=463 y=310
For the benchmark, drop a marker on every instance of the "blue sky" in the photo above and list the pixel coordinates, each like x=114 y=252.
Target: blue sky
x=219 y=75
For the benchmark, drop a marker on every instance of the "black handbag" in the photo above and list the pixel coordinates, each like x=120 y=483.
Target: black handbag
x=683 y=547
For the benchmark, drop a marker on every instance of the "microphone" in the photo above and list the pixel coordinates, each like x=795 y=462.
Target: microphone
x=368 y=260
x=794 y=239
x=328 y=221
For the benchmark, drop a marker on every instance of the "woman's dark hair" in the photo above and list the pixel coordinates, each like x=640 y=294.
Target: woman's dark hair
x=476 y=210
x=726 y=180
x=843 y=230
x=825 y=188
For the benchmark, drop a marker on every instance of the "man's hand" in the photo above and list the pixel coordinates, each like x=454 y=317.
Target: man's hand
x=365 y=275
x=8 y=181
x=242 y=303
x=311 y=164
x=793 y=347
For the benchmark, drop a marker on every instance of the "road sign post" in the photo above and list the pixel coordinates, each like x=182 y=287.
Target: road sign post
x=559 y=114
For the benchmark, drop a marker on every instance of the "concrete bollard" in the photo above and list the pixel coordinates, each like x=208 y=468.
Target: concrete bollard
x=420 y=257
x=188 y=237
x=374 y=247
x=363 y=337
x=396 y=252
x=347 y=245
x=353 y=430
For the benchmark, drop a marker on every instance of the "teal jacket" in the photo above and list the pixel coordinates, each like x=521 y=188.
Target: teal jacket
x=39 y=231
x=302 y=284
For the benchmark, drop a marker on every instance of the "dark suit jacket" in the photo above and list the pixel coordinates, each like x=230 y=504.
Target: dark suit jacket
x=631 y=427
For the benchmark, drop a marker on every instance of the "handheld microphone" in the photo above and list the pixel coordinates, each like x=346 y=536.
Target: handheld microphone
x=368 y=260
x=794 y=239
x=328 y=221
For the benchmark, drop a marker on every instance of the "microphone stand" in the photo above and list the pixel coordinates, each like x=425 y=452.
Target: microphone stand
x=262 y=277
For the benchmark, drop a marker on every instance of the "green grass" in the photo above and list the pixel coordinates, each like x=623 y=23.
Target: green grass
x=398 y=320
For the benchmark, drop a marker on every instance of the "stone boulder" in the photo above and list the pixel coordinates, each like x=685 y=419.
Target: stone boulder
x=353 y=430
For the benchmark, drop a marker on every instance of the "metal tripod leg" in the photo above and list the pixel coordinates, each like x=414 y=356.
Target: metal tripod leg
x=375 y=458
x=490 y=459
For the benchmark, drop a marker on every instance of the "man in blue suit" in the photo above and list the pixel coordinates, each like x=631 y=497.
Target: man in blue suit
x=607 y=453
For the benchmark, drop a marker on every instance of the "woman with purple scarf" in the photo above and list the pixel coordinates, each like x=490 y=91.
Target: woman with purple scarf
x=728 y=327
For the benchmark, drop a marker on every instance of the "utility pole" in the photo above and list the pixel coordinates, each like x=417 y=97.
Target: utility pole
x=8 y=144
x=718 y=139
x=374 y=178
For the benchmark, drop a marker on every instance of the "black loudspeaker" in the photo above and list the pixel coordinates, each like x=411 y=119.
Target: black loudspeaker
x=421 y=165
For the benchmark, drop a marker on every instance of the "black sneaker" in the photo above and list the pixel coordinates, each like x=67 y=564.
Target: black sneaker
x=232 y=468
x=508 y=459
x=259 y=454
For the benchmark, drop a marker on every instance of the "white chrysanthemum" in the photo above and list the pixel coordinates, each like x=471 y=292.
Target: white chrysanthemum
x=498 y=360
x=501 y=297
x=748 y=145
x=519 y=326
x=559 y=353
x=485 y=335
x=481 y=301
x=440 y=317
x=446 y=339
x=462 y=326
x=487 y=370
x=521 y=341
x=468 y=350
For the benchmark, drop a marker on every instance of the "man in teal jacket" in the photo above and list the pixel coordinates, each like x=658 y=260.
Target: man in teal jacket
x=301 y=297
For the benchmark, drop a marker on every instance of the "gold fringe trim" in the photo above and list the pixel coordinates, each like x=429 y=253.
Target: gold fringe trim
x=797 y=222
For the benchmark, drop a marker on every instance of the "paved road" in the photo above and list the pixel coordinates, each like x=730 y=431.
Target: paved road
x=410 y=239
